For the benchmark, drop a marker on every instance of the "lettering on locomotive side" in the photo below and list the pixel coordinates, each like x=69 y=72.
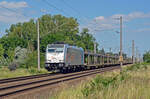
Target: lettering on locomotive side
x=72 y=57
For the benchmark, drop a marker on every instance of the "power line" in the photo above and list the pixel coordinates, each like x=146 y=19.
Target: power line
x=58 y=9
x=68 y=5
x=58 y=26
x=13 y=11
x=61 y=10
x=51 y=5
x=85 y=18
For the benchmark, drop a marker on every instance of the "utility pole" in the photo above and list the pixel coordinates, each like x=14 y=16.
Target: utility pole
x=136 y=55
x=94 y=52
x=133 y=58
x=121 y=57
x=38 y=44
x=139 y=58
x=110 y=50
x=94 y=47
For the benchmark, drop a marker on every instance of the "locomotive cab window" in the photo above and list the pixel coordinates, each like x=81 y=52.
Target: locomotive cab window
x=59 y=50
x=51 y=50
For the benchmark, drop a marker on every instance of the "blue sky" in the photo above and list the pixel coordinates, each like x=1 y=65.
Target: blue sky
x=97 y=15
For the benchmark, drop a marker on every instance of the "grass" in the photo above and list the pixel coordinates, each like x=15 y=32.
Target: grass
x=6 y=73
x=132 y=83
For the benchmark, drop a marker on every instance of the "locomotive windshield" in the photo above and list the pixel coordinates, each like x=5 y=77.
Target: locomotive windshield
x=56 y=48
x=59 y=50
x=51 y=50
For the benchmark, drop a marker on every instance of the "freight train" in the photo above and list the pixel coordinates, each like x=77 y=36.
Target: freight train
x=68 y=58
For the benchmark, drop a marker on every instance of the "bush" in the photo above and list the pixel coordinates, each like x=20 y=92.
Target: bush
x=13 y=66
x=137 y=66
x=99 y=83
x=1 y=51
x=146 y=57
x=31 y=60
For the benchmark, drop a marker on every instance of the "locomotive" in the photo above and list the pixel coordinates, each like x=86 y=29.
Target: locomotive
x=63 y=57
x=68 y=58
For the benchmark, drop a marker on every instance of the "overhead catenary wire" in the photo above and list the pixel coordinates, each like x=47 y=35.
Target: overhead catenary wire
x=17 y=14
x=51 y=5
x=46 y=1
x=61 y=10
x=14 y=11
x=75 y=10
x=58 y=9
x=70 y=6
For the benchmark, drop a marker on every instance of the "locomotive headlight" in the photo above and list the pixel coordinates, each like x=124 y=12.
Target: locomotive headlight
x=48 y=60
x=60 y=60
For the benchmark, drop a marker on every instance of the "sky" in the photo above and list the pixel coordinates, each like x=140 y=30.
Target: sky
x=100 y=16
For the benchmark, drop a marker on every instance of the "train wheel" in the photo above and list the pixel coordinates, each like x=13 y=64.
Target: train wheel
x=63 y=70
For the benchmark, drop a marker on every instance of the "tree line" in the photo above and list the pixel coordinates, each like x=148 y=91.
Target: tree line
x=53 y=28
x=19 y=46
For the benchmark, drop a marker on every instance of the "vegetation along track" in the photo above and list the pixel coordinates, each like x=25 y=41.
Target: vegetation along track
x=22 y=85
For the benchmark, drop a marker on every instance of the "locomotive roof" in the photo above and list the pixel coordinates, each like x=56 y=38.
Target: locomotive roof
x=62 y=45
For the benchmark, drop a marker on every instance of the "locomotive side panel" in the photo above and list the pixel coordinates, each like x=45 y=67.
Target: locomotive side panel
x=74 y=56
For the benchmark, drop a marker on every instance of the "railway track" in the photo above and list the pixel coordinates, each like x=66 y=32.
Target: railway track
x=24 y=78
x=9 y=87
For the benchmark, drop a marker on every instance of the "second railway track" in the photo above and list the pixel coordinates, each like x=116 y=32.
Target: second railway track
x=24 y=78
x=23 y=85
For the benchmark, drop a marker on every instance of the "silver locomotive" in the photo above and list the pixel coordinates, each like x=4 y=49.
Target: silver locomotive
x=63 y=57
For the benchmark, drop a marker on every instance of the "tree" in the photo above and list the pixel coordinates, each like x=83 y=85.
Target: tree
x=87 y=39
x=53 y=28
x=1 y=51
x=146 y=57
x=102 y=51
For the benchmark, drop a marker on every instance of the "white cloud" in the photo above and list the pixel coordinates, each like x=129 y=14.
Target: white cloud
x=12 y=12
x=20 y=4
x=135 y=15
x=131 y=16
x=99 y=18
x=109 y=23
x=140 y=30
x=11 y=17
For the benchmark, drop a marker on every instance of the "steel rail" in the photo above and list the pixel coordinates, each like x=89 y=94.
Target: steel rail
x=50 y=79
x=67 y=78
x=24 y=78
